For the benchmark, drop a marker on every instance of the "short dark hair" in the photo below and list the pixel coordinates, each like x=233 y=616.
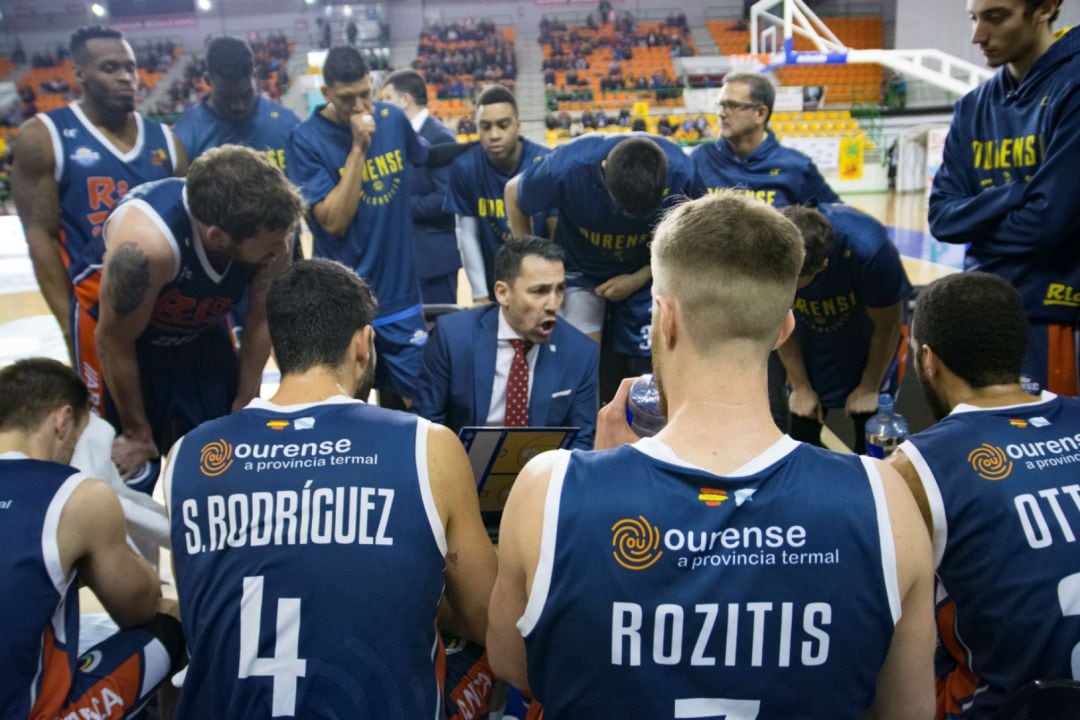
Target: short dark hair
x=32 y=388
x=313 y=310
x=495 y=94
x=636 y=175
x=975 y=322
x=1030 y=6
x=241 y=192
x=762 y=91
x=344 y=64
x=511 y=253
x=409 y=82
x=85 y=34
x=817 y=233
x=229 y=57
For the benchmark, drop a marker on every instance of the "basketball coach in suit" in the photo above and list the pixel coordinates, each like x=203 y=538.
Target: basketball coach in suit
x=434 y=240
x=513 y=362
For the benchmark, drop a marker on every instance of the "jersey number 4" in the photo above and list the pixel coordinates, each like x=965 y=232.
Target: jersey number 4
x=716 y=708
x=285 y=667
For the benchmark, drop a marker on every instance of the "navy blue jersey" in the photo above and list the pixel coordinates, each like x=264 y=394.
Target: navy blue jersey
x=198 y=296
x=1008 y=183
x=92 y=176
x=266 y=128
x=832 y=324
x=476 y=190
x=663 y=590
x=599 y=240
x=772 y=173
x=39 y=638
x=378 y=242
x=1002 y=489
x=309 y=561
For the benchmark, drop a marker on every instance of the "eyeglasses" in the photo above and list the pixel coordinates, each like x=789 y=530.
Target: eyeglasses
x=732 y=105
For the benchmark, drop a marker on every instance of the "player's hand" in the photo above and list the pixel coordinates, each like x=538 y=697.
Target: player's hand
x=861 y=401
x=804 y=402
x=131 y=453
x=362 y=125
x=612 y=430
x=620 y=287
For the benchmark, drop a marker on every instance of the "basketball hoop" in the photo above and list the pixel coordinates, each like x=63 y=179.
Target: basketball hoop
x=749 y=62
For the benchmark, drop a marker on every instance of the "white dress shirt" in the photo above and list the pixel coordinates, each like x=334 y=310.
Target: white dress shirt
x=418 y=119
x=504 y=356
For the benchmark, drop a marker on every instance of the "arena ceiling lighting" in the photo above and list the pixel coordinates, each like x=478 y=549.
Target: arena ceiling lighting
x=98 y=10
x=205 y=5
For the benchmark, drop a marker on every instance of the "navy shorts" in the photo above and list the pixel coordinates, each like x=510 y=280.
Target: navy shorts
x=399 y=343
x=1051 y=362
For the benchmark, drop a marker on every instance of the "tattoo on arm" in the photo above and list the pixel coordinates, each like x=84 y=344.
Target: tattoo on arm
x=129 y=278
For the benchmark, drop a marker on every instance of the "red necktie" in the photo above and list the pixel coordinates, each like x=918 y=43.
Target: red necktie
x=517 y=386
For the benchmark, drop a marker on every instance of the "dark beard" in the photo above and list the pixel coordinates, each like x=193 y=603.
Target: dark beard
x=933 y=400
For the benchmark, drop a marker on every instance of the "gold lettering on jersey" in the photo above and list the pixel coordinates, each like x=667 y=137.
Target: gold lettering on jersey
x=380 y=166
x=831 y=307
x=765 y=196
x=614 y=242
x=381 y=176
x=1007 y=153
x=276 y=156
x=491 y=207
x=1062 y=295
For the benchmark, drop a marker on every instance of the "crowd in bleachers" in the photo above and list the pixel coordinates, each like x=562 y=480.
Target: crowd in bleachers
x=612 y=62
x=458 y=59
x=680 y=128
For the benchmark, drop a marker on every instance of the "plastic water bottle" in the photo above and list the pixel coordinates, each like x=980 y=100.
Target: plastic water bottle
x=643 y=407
x=885 y=430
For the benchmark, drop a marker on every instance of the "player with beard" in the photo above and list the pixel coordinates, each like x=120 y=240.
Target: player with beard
x=996 y=482
x=366 y=516
x=72 y=167
x=635 y=581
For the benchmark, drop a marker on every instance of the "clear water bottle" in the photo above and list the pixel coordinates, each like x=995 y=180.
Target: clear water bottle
x=643 y=407
x=885 y=430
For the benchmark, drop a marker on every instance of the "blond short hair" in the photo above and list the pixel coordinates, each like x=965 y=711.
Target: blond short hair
x=732 y=263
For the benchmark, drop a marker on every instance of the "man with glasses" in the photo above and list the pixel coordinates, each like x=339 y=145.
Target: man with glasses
x=355 y=179
x=748 y=158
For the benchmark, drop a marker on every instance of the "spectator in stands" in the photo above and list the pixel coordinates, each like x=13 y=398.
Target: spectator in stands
x=434 y=243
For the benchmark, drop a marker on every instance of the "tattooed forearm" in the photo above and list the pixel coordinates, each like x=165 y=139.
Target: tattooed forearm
x=128 y=278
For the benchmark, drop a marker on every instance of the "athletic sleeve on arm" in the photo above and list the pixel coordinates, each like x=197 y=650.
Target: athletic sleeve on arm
x=458 y=198
x=472 y=257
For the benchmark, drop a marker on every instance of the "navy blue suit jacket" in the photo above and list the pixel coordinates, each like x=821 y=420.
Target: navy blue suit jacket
x=458 y=370
x=434 y=241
